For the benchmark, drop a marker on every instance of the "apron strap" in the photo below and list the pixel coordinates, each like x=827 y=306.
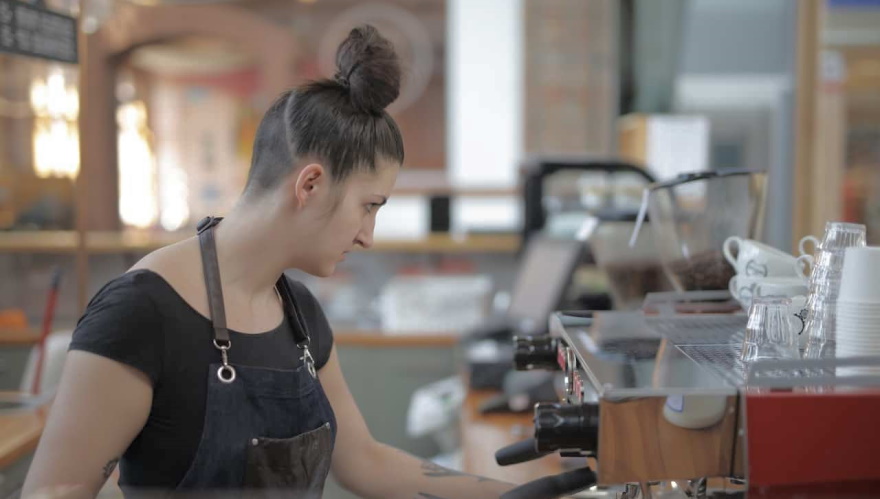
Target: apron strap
x=211 y=270
x=300 y=332
x=297 y=323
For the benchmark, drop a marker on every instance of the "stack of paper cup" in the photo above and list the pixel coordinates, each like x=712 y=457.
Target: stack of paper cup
x=858 y=308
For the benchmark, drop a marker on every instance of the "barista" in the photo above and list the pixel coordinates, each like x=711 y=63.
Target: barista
x=204 y=368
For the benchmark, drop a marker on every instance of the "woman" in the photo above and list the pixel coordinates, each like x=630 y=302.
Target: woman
x=203 y=368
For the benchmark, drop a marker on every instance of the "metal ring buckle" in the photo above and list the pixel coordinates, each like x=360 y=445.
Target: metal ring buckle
x=218 y=346
x=309 y=362
x=230 y=373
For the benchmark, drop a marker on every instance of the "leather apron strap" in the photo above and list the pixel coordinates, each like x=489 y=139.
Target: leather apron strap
x=211 y=271
x=300 y=330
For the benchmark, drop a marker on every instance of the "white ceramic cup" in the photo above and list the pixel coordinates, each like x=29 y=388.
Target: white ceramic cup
x=860 y=280
x=756 y=259
x=744 y=288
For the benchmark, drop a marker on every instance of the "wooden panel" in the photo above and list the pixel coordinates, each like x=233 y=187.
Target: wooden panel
x=632 y=138
x=829 y=154
x=81 y=185
x=808 y=30
x=637 y=443
x=740 y=464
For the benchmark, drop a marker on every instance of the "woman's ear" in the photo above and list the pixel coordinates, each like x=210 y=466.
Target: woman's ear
x=311 y=180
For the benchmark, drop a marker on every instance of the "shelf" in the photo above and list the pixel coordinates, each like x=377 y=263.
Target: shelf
x=414 y=182
x=66 y=241
x=103 y=242
x=54 y=241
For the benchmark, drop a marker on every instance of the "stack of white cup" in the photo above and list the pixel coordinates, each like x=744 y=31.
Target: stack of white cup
x=858 y=308
x=764 y=271
x=761 y=270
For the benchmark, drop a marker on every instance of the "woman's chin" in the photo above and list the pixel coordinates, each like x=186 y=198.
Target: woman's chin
x=330 y=271
x=324 y=270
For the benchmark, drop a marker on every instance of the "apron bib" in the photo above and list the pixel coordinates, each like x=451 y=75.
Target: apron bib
x=267 y=432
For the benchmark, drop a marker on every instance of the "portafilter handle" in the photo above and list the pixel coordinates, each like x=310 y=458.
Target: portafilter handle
x=551 y=487
x=536 y=352
x=560 y=427
x=520 y=452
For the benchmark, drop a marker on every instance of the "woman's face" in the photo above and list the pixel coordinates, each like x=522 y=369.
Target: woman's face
x=349 y=215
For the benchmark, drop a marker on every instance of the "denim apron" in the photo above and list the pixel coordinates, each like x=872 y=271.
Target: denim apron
x=267 y=432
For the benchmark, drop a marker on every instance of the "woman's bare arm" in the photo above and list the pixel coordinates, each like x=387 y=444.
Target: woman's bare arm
x=374 y=470
x=100 y=407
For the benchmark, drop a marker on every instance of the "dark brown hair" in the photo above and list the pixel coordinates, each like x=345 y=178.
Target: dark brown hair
x=341 y=122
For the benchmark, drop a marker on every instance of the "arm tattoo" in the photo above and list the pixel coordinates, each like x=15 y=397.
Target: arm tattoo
x=436 y=471
x=109 y=467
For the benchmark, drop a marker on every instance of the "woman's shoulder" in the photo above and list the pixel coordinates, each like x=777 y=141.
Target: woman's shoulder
x=173 y=273
x=134 y=286
x=176 y=263
x=124 y=323
x=146 y=289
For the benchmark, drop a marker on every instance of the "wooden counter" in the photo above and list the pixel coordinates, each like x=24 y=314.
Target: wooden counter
x=379 y=339
x=19 y=433
x=482 y=435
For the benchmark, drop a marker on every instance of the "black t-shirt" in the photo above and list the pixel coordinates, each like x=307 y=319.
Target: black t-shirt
x=138 y=319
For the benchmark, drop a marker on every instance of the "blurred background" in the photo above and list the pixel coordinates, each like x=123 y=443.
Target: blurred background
x=119 y=132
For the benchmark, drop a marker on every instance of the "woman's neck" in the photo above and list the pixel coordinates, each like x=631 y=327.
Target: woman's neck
x=249 y=251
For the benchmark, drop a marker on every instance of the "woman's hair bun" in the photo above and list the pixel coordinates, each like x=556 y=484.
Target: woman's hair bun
x=368 y=67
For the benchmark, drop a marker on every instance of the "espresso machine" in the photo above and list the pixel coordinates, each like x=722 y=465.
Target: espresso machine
x=659 y=395
x=665 y=398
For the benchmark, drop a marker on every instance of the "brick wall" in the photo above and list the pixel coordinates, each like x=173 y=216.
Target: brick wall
x=570 y=80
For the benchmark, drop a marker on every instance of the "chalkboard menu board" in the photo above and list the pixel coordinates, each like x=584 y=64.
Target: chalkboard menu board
x=36 y=32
